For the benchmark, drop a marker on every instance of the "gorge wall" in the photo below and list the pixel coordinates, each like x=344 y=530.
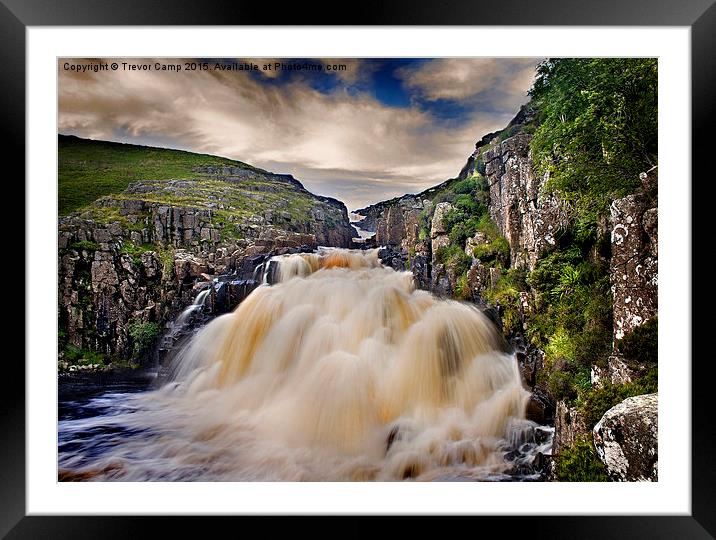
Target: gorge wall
x=528 y=222
x=415 y=232
x=130 y=262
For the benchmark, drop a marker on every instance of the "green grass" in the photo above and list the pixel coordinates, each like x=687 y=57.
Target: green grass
x=94 y=177
x=88 y=170
x=85 y=245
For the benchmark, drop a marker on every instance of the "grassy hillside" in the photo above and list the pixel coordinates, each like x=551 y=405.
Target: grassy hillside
x=88 y=170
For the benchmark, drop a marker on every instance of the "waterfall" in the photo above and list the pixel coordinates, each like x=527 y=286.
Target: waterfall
x=340 y=370
x=196 y=305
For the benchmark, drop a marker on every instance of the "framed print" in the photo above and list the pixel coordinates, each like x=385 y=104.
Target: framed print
x=354 y=270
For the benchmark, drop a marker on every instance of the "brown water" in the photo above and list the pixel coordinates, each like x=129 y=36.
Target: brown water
x=340 y=371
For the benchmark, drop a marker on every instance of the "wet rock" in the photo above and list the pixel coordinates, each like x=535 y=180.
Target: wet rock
x=626 y=439
x=540 y=408
x=529 y=359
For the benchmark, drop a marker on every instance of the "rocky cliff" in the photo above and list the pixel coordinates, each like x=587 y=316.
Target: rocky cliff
x=515 y=249
x=527 y=218
x=130 y=261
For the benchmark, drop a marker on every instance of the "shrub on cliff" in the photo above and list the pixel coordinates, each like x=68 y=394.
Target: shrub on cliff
x=598 y=127
x=79 y=356
x=497 y=251
x=143 y=335
x=595 y=403
x=506 y=295
x=580 y=463
x=640 y=345
x=455 y=257
x=573 y=316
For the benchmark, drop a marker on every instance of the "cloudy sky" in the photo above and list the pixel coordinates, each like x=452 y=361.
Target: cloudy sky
x=379 y=128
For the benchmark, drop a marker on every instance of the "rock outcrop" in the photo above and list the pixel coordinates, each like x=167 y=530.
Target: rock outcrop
x=442 y=279
x=525 y=115
x=569 y=424
x=634 y=270
x=402 y=229
x=626 y=439
x=528 y=221
x=634 y=262
x=135 y=257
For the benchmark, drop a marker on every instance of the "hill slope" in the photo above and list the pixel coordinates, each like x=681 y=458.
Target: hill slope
x=91 y=169
x=142 y=229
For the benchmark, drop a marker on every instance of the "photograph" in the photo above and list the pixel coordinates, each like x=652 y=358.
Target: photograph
x=368 y=269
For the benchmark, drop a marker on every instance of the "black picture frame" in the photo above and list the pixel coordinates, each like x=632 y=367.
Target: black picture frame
x=699 y=15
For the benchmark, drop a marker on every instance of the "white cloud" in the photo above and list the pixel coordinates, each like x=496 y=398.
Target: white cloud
x=348 y=146
x=462 y=78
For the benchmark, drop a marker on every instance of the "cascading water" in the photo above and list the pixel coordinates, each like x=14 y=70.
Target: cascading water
x=197 y=305
x=342 y=370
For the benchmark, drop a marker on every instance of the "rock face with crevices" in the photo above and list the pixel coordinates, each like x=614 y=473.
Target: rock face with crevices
x=528 y=221
x=634 y=262
x=626 y=439
x=400 y=232
x=442 y=280
x=634 y=270
x=136 y=256
x=569 y=424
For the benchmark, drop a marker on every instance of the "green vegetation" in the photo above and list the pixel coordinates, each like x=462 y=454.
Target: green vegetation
x=572 y=321
x=424 y=226
x=496 y=252
x=85 y=245
x=135 y=251
x=469 y=215
x=166 y=256
x=580 y=463
x=455 y=257
x=592 y=405
x=641 y=345
x=596 y=131
x=77 y=356
x=143 y=335
x=462 y=289
x=506 y=294
x=597 y=128
x=639 y=348
x=89 y=169
x=94 y=177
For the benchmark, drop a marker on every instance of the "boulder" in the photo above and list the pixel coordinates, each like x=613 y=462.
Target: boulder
x=626 y=439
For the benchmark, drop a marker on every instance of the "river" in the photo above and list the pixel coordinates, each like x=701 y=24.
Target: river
x=339 y=371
